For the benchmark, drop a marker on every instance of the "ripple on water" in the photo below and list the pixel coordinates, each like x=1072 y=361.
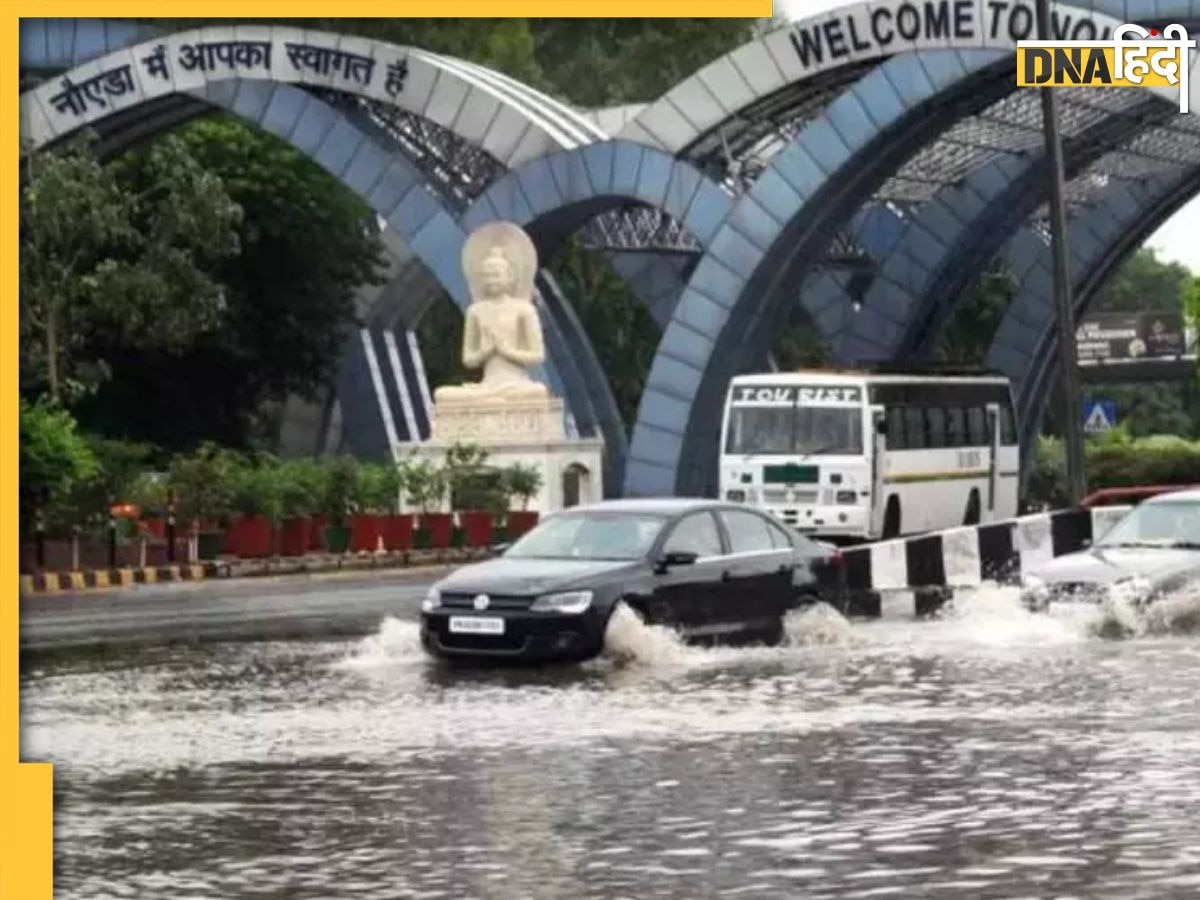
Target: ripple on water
x=979 y=754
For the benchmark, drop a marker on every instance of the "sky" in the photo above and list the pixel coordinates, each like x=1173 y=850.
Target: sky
x=1178 y=240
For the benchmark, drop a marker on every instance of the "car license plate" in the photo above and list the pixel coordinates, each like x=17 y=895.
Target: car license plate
x=476 y=625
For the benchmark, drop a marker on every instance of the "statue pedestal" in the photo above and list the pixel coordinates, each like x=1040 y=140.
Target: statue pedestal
x=525 y=431
x=482 y=421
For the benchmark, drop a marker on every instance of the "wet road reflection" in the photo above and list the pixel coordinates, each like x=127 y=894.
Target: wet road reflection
x=991 y=754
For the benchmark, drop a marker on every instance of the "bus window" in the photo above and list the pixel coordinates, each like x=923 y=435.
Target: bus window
x=914 y=428
x=895 y=423
x=956 y=427
x=935 y=421
x=977 y=427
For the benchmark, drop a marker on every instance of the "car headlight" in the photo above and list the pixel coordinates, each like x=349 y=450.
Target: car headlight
x=569 y=603
x=844 y=497
x=735 y=495
x=432 y=600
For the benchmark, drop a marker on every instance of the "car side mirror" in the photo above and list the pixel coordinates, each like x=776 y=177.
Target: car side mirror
x=676 y=558
x=881 y=428
x=500 y=549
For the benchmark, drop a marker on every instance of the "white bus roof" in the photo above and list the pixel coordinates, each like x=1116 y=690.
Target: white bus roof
x=841 y=376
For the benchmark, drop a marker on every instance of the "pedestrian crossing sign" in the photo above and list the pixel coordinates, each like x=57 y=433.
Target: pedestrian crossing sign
x=1099 y=416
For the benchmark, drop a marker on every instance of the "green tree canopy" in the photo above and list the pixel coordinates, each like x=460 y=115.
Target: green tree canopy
x=101 y=259
x=307 y=246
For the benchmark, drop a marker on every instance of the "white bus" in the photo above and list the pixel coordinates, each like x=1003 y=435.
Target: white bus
x=863 y=455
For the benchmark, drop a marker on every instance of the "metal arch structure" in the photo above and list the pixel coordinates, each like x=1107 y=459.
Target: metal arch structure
x=555 y=196
x=738 y=309
x=919 y=281
x=1102 y=237
x=774 y=230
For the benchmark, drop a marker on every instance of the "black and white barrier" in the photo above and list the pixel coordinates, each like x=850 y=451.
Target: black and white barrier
x=972 y=555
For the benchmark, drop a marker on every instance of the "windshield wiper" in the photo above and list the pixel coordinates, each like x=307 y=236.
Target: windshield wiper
x=821 y=450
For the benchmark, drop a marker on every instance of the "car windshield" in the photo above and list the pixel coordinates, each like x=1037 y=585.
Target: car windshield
x=604 y=536
x=1162 y=524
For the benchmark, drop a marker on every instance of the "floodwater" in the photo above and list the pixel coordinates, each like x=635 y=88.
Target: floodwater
x=993 y=753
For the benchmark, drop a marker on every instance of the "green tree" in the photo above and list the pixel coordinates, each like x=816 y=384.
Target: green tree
x=1191 y=308
x=618 y=324
x=55 y=459
x=972 y=326
x=98 y=258
x=308 y=245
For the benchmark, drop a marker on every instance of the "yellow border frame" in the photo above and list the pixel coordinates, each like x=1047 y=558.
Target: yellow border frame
x=26 y=789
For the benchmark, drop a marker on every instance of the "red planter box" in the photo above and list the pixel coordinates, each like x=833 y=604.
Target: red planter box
x=250 y=537
x=518 y=522
x=398 y=532
x=477 y=526
x=293 y=540
x=440 y=527
x=316 y=532
x=365 y=534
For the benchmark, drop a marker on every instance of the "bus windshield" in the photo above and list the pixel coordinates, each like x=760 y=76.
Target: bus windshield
x=791 y=430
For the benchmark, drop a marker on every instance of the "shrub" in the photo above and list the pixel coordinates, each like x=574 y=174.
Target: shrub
x=301 y=487
x=424 y=484
x=1118 y=462
x=522 y=482
x=54 y=459
x=257 y=487
x=341 y=485
x=204 y=484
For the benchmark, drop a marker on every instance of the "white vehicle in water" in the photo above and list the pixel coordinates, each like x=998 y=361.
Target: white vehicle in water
x=863 y=455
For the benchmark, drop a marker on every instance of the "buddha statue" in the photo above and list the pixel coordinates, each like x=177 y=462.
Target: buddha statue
x=502 y=333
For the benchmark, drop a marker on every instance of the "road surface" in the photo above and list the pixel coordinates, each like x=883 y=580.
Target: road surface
x=284 y=607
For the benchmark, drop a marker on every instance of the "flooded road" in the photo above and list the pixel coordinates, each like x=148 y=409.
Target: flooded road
x=993 y=753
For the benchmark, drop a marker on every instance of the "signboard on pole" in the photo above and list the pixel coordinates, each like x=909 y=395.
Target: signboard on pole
x=1109 y=337
x=1099 y=416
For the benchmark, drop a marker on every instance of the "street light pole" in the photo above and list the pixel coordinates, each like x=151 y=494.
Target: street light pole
x=1064 y=307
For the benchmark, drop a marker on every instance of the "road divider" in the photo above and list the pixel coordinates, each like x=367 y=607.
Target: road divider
x=972 y=555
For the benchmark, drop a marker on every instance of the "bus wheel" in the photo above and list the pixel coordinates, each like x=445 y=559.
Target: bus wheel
x=974 y=508
x=891 y=518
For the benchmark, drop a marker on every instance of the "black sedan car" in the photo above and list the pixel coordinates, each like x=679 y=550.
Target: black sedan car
x=713 y=571
x=1152 y=552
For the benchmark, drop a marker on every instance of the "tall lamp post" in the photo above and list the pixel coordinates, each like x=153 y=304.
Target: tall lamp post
x=1072 y=415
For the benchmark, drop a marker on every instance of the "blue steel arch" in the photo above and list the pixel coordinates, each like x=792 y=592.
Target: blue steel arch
x=924 y=276
x=1101 y=238
x=819 y=180
x=554 y=196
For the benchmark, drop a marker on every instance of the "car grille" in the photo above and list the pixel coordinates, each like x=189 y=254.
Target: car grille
x=495 y=601
x=776 y=496
x=1075 y=590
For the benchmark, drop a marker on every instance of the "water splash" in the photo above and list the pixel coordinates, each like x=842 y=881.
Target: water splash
x=818 y=625
x=1122 y=616
x=988 y=616
x=396 y=643
x=628 y=639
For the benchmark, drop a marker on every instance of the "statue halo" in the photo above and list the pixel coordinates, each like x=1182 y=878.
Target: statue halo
x=516 y=246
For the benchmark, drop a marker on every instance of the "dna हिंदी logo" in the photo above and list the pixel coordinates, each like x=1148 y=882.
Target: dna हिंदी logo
x=1134 y=57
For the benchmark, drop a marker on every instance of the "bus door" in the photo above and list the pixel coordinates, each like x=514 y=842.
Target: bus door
x=993 y=430
x=878 y=458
